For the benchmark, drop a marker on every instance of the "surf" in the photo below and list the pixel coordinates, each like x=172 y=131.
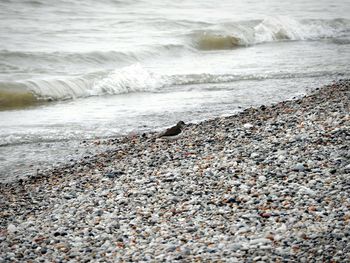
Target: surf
x=270 y=29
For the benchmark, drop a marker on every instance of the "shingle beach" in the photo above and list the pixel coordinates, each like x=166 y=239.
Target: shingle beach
x=269 y=184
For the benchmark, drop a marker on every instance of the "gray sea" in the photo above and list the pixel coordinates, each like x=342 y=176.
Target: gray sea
x=80 y=70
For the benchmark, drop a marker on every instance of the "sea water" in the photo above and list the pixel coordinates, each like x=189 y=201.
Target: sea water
x=80 y=70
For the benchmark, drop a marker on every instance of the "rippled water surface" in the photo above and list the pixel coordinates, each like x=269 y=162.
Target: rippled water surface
x=76 y=70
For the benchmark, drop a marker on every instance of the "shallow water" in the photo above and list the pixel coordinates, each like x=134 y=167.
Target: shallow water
x=72 y=70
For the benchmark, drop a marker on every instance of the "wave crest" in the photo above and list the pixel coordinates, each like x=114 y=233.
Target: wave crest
x=245 y=33
x=134 y=78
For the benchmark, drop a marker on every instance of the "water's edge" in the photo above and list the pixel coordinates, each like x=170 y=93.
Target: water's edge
x=89 y=149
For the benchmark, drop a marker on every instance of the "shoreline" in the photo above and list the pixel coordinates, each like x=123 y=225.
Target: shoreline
x=269 y=183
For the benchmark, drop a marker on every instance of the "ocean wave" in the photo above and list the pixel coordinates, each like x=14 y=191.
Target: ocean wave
x=246 y=33
x=208 y=37
x=134 y=78
x=95 y=57
x=216 y=42
x=16 y=99
x=64 y=60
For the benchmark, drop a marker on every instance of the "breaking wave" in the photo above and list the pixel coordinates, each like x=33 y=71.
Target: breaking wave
x=134 y=78
x=245 y=33
x=16 y=99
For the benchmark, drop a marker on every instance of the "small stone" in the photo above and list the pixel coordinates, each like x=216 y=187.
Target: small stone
x=260 y=241
x=299 y=167
x=332 y=171
x=262 y=178
x=171 y=249
x=232 y=200
x=11 y=228
x=248 y=125
x=265 y=215
x=254 y=155
x=114 y=174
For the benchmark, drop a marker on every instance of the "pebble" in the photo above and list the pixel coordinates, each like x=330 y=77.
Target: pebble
x=248 y=125
x=262 y=178
x=299 y=167
x=268 y=185
x=11 y=228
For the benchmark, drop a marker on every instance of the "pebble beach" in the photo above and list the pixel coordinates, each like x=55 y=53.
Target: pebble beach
x=269 y=184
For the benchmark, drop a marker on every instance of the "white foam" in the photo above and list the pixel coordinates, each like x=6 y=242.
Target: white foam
x=134 y=78
x=279 y=28
x=286 y=28
x=270 y=29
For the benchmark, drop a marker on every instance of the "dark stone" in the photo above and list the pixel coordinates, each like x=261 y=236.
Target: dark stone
x=265 y=215
x=99 y=212
x=169 y=180
x=114 y=174
x=233 y=200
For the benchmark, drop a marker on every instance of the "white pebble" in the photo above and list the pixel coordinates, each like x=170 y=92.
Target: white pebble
x=262 y=178
x=11 y=228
